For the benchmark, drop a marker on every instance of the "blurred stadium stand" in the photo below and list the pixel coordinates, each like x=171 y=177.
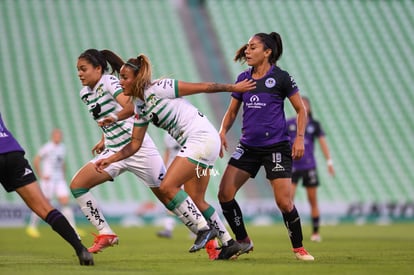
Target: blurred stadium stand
x=353 y=59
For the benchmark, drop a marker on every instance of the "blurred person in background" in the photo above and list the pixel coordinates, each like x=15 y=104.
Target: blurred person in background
x=161 y=103
x=112 y=110
x=17 y=175
x=171 y=149
x=264 y=140
x=305 y=169
x=49 y=165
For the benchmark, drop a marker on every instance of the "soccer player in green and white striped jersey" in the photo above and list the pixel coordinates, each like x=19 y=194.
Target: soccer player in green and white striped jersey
x=160 y=102
x=113 y=112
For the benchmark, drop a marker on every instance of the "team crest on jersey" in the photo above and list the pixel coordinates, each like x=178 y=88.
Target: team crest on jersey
x=270 y=82
x=152 y=99
x=100 y=90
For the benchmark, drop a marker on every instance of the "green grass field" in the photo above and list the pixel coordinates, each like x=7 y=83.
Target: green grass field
x=345 y=249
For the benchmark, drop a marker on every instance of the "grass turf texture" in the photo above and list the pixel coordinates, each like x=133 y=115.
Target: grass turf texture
x=345 y=249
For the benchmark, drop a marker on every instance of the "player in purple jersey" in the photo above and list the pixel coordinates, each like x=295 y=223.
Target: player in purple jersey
x=16 y=174
x=305 y=168
x=264 y=140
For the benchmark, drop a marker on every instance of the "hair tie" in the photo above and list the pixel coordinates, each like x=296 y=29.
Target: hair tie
x=135 y=67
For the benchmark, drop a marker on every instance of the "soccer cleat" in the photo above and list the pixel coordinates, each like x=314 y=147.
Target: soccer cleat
x=203 y=236
x=316 y=238
x=103 y=241
x=85 y=257
x=32 y=232
x=229 y=251
x=246 y=246
x=164 y=234
x=212 y=250
x=302 y=254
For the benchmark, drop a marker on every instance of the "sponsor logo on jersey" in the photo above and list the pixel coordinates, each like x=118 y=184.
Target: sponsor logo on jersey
x=255 y=102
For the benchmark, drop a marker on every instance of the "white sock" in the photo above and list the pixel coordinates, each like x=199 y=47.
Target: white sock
x=223 y=234
x=191 y=226
x=190 y=215
x=89 y=207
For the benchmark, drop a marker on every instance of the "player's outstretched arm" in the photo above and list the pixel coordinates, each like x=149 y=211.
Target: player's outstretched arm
x=189 y=88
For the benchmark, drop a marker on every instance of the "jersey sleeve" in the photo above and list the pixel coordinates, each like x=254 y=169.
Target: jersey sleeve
x=84 y=94
x=165 y=88
x=289 y=85
x=138 y=120
x=113 y=85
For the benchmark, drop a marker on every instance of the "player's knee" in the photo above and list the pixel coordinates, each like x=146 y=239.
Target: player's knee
x=224 y=195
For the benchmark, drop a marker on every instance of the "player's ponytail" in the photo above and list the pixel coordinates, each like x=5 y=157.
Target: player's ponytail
x=113 y=59
x=142 y=70
x=240 y=54
x=278 y=47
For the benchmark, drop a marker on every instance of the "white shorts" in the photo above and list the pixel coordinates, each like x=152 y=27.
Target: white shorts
x=54 y=187
x=203 y=144
x=146 y=164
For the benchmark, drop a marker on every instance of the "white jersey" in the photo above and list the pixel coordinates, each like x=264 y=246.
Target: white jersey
x=101 y=101
x=52 y=158
x=166 y=110
x=191 y=129
x=52 y=165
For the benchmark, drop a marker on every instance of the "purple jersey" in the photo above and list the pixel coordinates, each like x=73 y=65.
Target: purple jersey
x=264 y=121
x=313 y=130
x=7 y=141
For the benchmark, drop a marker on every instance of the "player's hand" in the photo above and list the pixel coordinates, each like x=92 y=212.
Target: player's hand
x=108 y=120
x=223 y=144
x=98 y=148
x=331 y=170
x=244 y=86
x=101 y=164
x=298 y=149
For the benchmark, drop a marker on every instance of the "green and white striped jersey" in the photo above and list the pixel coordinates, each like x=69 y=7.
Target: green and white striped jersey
x=101 y=101
x=165 y=109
